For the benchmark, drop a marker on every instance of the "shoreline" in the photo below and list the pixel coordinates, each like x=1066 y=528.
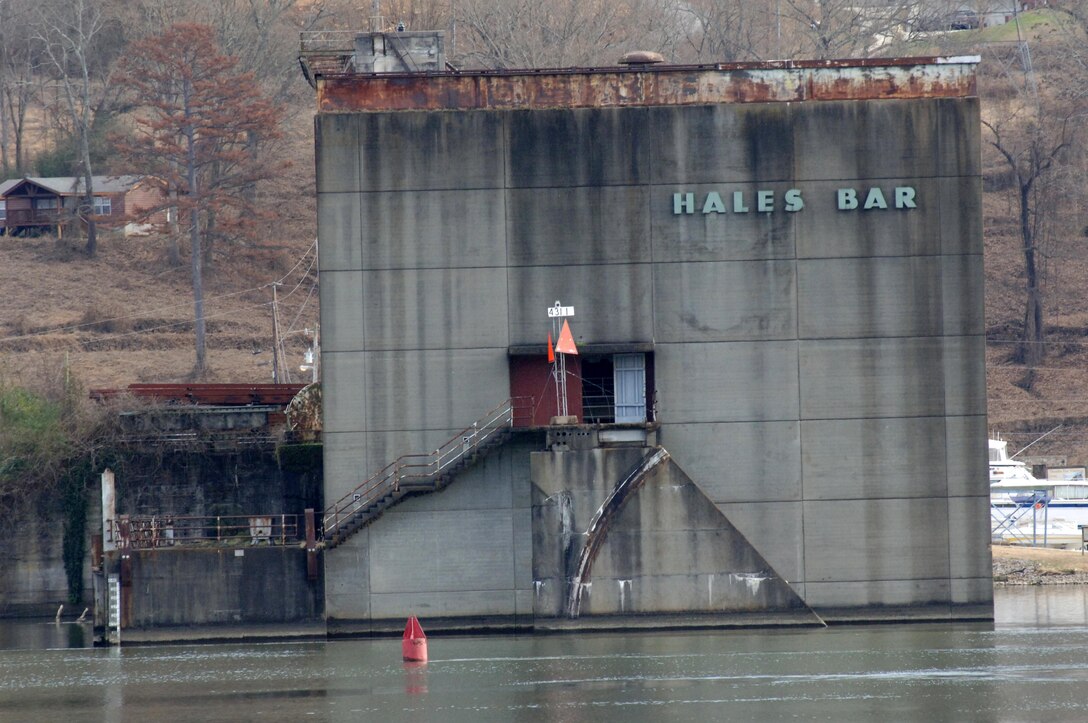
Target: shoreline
x=1015 y=566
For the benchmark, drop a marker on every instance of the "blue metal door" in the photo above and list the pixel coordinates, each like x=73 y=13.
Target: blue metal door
x=629 y=378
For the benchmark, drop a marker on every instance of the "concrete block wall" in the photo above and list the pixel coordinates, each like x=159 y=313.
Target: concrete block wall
x=819 y=373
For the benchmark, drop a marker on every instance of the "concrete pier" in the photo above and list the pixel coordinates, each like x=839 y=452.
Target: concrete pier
x=792 y=254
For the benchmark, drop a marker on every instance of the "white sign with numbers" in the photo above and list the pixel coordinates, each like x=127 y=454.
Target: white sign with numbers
x=114 y=585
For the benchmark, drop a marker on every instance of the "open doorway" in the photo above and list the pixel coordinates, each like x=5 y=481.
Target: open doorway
x=614 y=389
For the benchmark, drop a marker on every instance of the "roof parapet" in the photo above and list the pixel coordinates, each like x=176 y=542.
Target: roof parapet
x=650 y=85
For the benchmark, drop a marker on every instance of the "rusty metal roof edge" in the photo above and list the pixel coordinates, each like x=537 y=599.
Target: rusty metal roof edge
x=904 y=62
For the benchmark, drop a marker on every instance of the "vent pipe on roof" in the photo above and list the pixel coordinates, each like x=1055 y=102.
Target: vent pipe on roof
x=638 y=58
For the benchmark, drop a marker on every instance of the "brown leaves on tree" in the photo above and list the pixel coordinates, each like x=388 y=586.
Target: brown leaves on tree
x=202 y=130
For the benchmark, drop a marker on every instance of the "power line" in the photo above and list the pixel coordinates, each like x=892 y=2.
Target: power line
x=302 y=308
x=301 y=280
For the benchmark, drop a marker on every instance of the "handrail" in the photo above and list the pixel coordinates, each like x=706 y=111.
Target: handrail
x=337 y=41
x=425 y=468
x=143 y=532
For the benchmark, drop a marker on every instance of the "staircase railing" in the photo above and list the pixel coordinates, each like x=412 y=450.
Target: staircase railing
x=417 y=471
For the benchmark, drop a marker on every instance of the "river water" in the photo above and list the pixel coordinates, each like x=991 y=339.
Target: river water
x=1031 y=665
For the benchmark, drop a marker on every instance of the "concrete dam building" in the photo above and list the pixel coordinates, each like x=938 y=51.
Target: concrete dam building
x=777 y=412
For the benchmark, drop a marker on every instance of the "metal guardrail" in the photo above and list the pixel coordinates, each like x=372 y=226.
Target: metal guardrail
x=196 y=439
x=325 y=52
x=423 y=470
x=327 y=41
x=145 y=532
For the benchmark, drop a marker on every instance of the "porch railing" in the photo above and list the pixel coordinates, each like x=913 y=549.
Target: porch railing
x=28 y=217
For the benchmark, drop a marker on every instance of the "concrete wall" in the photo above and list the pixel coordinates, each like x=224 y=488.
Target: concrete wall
x=223 y=586
x=164 y=479
x=214 y=585
x=656 y=546
x=461 y=554
x=32 y=566
x=819 y=372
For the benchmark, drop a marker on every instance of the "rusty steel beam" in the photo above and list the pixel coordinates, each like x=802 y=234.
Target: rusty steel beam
x=208 y=394
x=784 y=81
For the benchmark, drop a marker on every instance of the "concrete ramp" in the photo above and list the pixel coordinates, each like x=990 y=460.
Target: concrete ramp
x=624 y=537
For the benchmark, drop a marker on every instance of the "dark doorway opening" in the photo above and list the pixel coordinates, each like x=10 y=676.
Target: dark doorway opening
x=598 y=390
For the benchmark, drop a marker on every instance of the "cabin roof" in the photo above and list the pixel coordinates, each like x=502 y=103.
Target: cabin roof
x=73 y=185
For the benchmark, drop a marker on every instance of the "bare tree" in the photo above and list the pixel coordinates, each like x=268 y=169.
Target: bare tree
x=825 y=29
x=261 y=34
x=1031 y=153
x=17 y=84
x=418 y=14
x=69 y=32
x=1033 y=123
x=561 y=33
x=728 y=30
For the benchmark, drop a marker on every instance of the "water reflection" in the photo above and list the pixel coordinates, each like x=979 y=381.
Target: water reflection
x=40 y=635
x=1032 y=664
x=415 y=678
x=1042 y=605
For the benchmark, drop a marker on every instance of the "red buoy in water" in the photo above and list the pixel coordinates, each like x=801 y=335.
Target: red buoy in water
x=414 y=644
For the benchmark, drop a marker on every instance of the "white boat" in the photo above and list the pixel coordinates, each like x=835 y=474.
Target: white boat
x=1004 y=468
x=1027 y=510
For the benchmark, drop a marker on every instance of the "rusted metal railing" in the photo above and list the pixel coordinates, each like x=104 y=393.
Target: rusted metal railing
x=325 y=52
x=423 y=471
x=145 y=532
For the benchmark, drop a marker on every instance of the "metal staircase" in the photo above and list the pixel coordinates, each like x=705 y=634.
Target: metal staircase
x=422 y=473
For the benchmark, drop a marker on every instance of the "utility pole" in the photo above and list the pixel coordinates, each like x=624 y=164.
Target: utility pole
x=275 y=335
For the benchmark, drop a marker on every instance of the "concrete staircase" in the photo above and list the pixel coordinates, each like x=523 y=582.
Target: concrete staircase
x=422 y=473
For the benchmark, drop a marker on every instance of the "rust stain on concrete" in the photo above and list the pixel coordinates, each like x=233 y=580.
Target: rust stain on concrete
x=786 y=81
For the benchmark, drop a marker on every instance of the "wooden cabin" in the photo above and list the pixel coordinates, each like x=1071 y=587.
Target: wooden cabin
x=33 y=205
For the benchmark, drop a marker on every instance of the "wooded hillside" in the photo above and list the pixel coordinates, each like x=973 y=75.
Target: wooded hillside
x=75 y=101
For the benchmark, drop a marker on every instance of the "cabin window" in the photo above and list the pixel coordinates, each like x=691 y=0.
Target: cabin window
x=46 y=204
x=103 y=206
x=3 y=211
